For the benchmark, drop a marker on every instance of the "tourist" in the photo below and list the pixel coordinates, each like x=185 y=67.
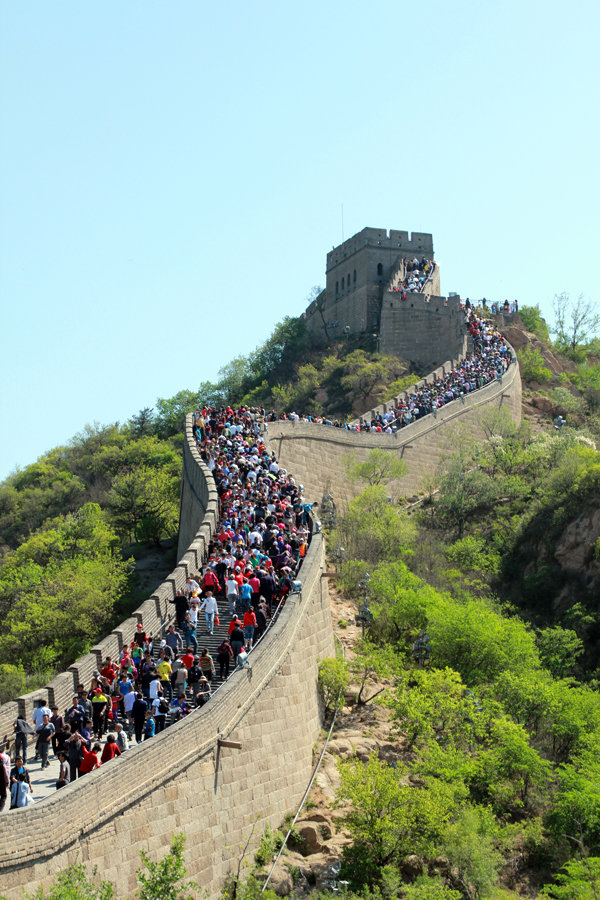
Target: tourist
x=209 y=605
x=22 y=730
x=64 y=770
x=44 y=736
x=111 y=748
x=224 y=657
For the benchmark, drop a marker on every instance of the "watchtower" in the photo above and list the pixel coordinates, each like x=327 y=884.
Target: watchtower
x=363 y=276
x=358 y=272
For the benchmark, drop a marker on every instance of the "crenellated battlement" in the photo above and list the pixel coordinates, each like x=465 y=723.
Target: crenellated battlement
x=362 y=273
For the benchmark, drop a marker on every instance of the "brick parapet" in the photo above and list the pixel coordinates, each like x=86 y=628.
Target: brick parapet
x=201 y=514
x=181 y=780
x=316 y=453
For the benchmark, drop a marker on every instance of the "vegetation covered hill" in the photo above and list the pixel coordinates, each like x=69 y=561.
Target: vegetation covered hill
x=79 y=527
x=491 y=787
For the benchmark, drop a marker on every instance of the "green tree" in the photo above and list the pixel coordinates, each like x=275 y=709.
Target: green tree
x=533 y=366
x=73 y=883
x=465 y=492
x=389 y=817
x=143 y=504
x=531 y=318
x=363 y=375
x=470 y=843
x=58 y=591
x=434 y=705
x=574 y=819
x=380 y=467
x=142 y=423
x=171 y=412
x=162 y=880
x=371 y=663
x=427 y=888
x=509 y=768
x=579 y=880
x=559 y=649
x=333 y=678
x=575 y=321
x=373 y=528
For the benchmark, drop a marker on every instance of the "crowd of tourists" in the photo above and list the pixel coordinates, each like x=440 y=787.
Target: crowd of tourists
x=255 y=554
x=508 y=307
x=489 y=360
x=417 y=272
x=253 y=558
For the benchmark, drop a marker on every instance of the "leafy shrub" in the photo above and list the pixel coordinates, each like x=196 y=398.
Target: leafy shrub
x=333 y=678
x=531 y=318
x=568 y=403
x=270 y=843
x=532 y=365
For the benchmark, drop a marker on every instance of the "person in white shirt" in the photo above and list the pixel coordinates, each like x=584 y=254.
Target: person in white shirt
x=38 y=721
x=38 y=716
x=122 y=739
x=209 y=605
x=155 y=688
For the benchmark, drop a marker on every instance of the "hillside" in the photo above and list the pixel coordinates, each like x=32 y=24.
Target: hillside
x=476 y=775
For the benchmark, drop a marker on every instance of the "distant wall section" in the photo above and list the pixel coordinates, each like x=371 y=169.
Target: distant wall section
x=315 y=453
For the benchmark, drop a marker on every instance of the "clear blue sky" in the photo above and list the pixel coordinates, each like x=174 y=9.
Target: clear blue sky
x=172 y=176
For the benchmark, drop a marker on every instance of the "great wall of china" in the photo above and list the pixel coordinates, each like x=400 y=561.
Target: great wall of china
x=183 y=780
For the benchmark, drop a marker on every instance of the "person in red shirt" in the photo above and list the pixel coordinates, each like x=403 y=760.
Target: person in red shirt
x=249 y=626
x=108 y=671
x=110 y=749
x=90 y=759
x=188 y=658
x=235 y=623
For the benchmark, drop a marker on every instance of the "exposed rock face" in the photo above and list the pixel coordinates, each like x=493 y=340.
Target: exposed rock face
x=575 y=548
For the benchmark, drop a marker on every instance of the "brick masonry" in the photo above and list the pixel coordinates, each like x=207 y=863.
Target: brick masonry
x=316 y=453
x=181 y=780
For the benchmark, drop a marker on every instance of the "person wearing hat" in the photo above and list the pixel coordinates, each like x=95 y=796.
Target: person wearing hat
x=203 y=695
x=99 y=707
x=140 y=637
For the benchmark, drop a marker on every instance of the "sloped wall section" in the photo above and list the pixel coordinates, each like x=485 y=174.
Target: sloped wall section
x=316 y=453
x=182 y=780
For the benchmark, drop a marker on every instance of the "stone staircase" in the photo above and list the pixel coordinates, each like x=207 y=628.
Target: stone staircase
x=211 y=642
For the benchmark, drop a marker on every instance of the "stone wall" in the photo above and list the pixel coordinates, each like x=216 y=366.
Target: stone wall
x=316 y=453
x=198 y=518
x=182 y=780
x=424 y=332
x=358 y=272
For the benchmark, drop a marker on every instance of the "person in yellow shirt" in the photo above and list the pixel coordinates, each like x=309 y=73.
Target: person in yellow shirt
x=164 y=673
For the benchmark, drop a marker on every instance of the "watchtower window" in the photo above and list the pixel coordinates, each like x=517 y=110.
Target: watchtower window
x=379 y=269
x=342 y=284
x=348 y=282
x=337 y=288
x=354 y=277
